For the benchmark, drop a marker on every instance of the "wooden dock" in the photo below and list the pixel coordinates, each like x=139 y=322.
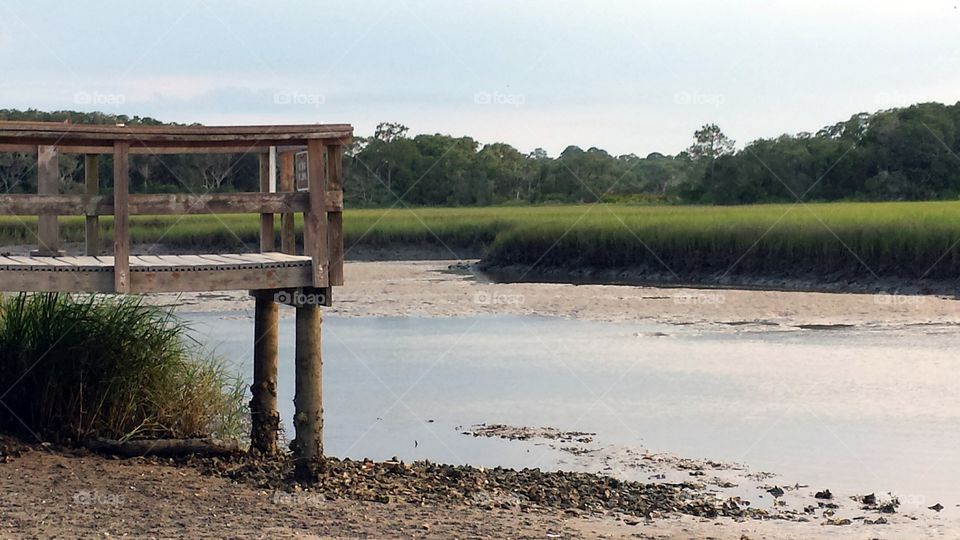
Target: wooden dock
x=275 y=274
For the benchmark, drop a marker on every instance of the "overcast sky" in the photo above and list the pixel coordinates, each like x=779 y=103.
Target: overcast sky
x=630 y=76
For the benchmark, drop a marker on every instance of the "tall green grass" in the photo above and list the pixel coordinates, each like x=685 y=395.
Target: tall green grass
x=112 y=367
x=911 y=239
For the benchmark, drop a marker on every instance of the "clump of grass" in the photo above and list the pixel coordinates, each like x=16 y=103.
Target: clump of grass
x=104 y=366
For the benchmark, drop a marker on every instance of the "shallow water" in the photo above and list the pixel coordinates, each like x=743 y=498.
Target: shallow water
x=854 y=410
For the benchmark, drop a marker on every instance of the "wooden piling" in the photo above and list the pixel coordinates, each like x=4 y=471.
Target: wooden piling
x=308 y=400
x=265 y=420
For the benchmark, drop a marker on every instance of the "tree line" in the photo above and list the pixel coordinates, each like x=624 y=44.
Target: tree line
x=896 y=154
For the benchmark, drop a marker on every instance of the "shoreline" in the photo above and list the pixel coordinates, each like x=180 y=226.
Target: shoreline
x=51 y=491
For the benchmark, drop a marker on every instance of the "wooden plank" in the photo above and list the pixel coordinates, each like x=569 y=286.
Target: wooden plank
x=314 y=130
x=265 y=258
x=217 y=203
x=156 y=261
x=288 y=241
x=24 y=148
x=87 y=262
x=335 y=218
x=27 y=261
x=267 y=235
x=63 y=205
x=91 y=172
x=100 y=139
x=315 y=221
x=147 y=281
x=222 y=261
x=284 y=257
x=48 y=183
x=67 y=281
x=121 y=219
x=16 y=277
x=162 y=204
x=55 y=261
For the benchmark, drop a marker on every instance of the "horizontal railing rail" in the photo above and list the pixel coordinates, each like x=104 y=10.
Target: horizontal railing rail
x=165 y=204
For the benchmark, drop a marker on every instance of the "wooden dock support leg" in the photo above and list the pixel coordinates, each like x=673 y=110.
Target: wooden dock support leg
x=308 y=401
x=265 y=420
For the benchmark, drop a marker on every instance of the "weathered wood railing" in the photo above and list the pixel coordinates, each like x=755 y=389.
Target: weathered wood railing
x=321 y=203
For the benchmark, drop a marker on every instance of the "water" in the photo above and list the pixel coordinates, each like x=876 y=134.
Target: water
x=858 y=410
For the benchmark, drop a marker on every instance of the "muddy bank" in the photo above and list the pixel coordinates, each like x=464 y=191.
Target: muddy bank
x=787 y=279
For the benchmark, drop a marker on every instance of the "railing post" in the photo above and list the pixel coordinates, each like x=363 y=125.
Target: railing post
x=48 y=180
x=335 y=217
x=267 y=236
x=121 y=216
x=315 y=220
x=288 y=239
x=91 y=171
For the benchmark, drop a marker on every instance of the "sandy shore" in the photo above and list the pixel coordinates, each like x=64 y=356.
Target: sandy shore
x=431 y=289
x=58 y=494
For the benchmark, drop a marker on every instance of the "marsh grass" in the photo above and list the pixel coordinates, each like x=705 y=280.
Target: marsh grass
x=908 y=239
x=105 y=366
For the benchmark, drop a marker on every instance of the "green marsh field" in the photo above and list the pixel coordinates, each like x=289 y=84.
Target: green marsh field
x=907 y=240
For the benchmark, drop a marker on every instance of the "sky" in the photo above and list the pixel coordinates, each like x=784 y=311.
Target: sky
x=627 y=76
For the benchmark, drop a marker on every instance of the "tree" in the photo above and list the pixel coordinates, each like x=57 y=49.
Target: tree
x=710 y=144
x=15 y=171
x=389 y=132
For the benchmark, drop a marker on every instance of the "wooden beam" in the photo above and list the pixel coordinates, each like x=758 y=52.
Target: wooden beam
x=315 y=220
x=25 y=148
x=288 y=241
x=267 y=235
x=91 y=170
x=121 y=219
x=335 y=217
x=308 y=400
x=162 y=274
x=48 y=183
x=158 y=204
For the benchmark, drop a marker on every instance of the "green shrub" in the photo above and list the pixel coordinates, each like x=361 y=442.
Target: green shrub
x=108 y=366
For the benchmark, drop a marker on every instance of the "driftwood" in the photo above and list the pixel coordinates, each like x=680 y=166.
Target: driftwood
x=165 y=447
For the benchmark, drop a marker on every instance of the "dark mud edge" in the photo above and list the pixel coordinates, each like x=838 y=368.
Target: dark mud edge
x=800 y=281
